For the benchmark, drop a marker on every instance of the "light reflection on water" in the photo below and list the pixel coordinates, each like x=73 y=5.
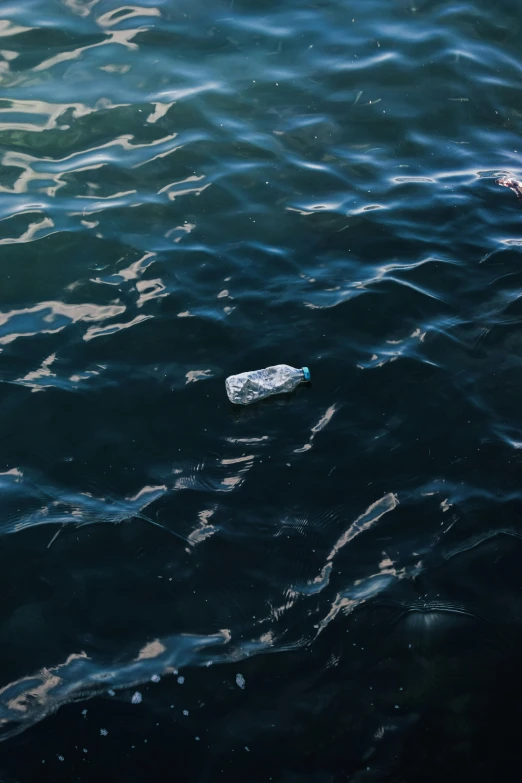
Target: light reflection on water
x=191 y=189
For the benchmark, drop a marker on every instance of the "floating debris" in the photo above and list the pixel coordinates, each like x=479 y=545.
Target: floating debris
x=61 y=758
x=181 y=680
x=137 y=698
x=240 y=681
x=103 y=732
x=84 y=713
x=185 y=713
x=155 y=678
x=111 y=692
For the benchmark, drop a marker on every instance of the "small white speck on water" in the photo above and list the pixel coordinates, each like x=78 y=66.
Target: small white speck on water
x=61 y=758
x=103 y=732
x=181 y=680
x=85 y=750
x=240 y=681
x=84 y=713
x=185 y=713
x=111 y=692
x=197 y=739
x=174 y=672
x=155 y=678
x=137 y=698
x=247 y=748
x=396 y=706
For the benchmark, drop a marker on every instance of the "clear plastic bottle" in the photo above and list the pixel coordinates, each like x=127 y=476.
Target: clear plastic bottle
x=249 y=387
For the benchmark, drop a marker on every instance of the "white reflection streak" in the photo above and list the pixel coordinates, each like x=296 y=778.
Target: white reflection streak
x=237 y=460
x=8 y=28
x=77 y=312
x=30 y=699
x=163 y=154
x=321 y=424
x=29 y=234
x=80 y=7
x=150 y=289
x=364 y=589
x=94 y=332
x=197 y=375
x=122 y=37
x=151 y=650
x=72 y=313
x=173 y=194
x=45 y=169
x=148 y=493
x=234 y=481
x=186 y=228
x=134 y=271
x=52 y=111
x=115 y=17
x=94 y=155
x=363 y=522
x=248 y=440
x=176 y=95
x=42 y=683
x=159 y=111
x=28 y=175
x=372 y=514
x=204 y=529
x=37 y=375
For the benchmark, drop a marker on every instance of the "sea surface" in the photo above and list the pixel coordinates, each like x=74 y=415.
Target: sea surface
x=326 y=586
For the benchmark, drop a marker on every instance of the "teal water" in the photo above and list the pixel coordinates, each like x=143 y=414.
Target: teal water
x=325 y=586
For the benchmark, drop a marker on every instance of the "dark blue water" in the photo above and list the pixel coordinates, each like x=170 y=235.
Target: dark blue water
x=326 y=586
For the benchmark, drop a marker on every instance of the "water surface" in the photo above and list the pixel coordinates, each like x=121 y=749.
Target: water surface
x=325 y=586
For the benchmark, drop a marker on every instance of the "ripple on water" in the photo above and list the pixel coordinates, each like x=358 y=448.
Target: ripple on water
x=190 y=189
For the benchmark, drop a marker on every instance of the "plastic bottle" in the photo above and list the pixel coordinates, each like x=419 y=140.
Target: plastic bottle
x=249 y=387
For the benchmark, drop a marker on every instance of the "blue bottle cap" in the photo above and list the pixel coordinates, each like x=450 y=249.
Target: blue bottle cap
x=306 y=373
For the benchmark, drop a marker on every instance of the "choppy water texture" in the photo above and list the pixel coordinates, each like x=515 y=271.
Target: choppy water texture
x=322 y=587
